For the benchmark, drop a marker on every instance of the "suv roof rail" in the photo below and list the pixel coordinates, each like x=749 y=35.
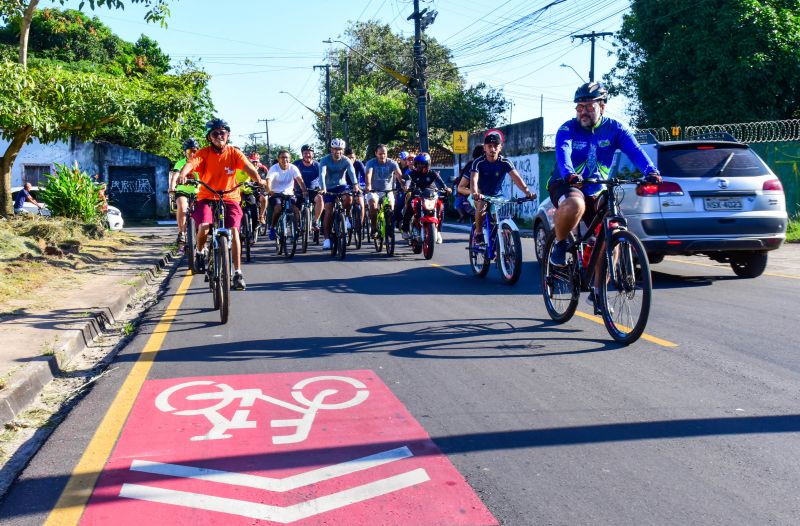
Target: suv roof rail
x=645 y=138
x=713 y=136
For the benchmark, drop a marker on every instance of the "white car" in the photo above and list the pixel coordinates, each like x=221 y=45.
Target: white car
x=113 y=214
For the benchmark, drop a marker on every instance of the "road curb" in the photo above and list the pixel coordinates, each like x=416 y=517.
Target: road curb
x=25 y=384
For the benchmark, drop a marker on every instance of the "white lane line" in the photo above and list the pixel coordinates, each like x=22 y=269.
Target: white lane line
x=269 y=483
x=284 y=515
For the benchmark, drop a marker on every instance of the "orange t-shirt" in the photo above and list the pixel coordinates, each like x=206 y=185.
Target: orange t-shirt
x=218 y=170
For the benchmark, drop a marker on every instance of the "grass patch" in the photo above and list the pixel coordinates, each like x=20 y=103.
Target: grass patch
x=793 y=230
x=128 y=329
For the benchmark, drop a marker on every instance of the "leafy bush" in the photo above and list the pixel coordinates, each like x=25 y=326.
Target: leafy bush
x=69 y=192
x=793 y=230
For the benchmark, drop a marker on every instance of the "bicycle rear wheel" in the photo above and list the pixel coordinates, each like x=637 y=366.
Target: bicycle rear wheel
x=357 y=226
x=224 y=281
x=511 y=258
x=389 y=238
x=560 y=286
x=626 y=298
x=477 y=257
x=245 y=238
x=380 y=227
x=341 y=239
x=290 y=236
x=190 y=249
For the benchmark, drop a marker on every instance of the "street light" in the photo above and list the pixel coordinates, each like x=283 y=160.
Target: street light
x=573 y=69
x=315 y=112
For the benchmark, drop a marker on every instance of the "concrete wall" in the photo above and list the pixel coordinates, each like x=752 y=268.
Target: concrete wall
x=94 y=158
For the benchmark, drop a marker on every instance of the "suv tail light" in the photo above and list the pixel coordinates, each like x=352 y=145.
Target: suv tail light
x=773 y=185
x=666 y=188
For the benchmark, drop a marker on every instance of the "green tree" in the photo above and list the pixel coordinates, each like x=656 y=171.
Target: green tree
x=711 y=62
x=380 y=108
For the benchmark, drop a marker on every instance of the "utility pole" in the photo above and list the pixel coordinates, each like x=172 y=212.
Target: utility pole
x=328 y=131
x=422 y=19
x=269 y=148
x=345 y=113
x=592 y=36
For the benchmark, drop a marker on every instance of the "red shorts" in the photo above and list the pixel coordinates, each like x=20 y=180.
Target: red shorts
x=204 y=214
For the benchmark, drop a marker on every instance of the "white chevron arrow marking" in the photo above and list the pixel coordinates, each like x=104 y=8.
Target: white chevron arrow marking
x=269 y=483
x=284 y=515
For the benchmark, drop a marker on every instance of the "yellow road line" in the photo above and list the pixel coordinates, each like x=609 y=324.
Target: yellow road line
x=720 y=266
x=73 y=499
x=645 y=336
x=446 y=269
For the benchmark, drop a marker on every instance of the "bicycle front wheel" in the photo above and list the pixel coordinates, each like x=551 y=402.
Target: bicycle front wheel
x=290 y=237
x=357 y=226
x=341 y=239
x=190 y=248
x=511 y=257
x=305 y=228
x=626 y=298
x=245 y=231
x=224 y=281
x=380 y=228
x=560 y=285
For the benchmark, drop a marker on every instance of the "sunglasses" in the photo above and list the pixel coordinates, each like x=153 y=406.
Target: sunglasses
x=219 y=133
x=590 y=107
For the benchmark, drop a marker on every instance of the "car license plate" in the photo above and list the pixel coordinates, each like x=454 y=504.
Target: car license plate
x=722 y=203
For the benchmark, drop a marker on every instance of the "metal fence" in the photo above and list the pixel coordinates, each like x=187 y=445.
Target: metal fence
x=747 y=132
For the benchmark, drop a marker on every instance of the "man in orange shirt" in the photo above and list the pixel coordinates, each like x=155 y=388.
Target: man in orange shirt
x=216 y=165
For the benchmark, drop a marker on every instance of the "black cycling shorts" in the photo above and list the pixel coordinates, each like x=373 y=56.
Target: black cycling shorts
x=558 y=187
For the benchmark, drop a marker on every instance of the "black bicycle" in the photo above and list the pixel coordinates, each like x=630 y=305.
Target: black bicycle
x=625 y=286
x=248 y=229
x=287 y=228
x=218 y=247
x=355 y=232
x=190 y=247
x=307 y=227
x=339 y=227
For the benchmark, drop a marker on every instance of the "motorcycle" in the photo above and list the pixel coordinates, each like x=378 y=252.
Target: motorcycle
x=428 y=213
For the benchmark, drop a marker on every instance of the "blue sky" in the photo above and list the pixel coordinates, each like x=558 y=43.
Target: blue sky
x=255 y=49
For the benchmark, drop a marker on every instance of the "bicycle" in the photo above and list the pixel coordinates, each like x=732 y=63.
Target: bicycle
x=248 y=229
x=625 y=270
x=218 y=266
x=287 y=227
x=384 y=224
x=503 y=244
x=339 y=227
x=190 y=247
x=306 y=221
x=355 y=231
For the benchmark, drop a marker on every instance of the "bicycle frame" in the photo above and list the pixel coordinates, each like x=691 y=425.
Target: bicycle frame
x=492 y=218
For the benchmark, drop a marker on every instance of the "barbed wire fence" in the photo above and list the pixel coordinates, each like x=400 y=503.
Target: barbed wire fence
x=746 y=132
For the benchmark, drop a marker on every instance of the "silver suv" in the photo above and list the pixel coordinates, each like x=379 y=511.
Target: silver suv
x=717 y=198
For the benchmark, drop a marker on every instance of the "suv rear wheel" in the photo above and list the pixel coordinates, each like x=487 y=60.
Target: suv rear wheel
x=749 y=264
x=539 y=239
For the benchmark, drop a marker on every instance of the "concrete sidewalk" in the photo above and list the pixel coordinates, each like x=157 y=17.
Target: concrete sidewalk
x=49 y=329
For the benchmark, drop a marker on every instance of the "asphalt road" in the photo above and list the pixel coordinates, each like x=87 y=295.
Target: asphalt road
x=549 y=424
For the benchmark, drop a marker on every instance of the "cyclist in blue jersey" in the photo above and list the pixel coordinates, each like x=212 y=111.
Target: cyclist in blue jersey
x=309 y=169
x=488 y=173
x=337 y=175
x=585 y=147
x=382 y=172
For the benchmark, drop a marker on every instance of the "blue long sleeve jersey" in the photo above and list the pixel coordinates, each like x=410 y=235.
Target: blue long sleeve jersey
x=587 y=152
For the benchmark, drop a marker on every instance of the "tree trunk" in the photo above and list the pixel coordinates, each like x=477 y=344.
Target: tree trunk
x=24 y=31
x=6 y=162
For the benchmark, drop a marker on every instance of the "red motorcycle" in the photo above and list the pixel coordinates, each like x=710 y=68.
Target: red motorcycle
x=428 y=214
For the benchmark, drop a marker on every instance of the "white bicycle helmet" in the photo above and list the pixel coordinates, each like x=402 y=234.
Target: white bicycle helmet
x=338 y=143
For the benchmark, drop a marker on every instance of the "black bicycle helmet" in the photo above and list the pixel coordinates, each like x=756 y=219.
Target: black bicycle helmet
x=591 y=91
x=306 y=148
x=217 y=123
x=190 y=143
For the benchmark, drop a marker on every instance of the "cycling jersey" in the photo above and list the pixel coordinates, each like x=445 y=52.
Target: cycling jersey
x=361 y=172
x=590 y=152
x=187 y=189
x=218 y=170
x=333 y=173
x=310 y=173
x=382 y=174
x=491 y=174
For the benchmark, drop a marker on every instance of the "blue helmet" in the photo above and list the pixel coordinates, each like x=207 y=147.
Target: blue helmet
x=591 y=91
x=403 y=155
x=216 y=124
x=422 y=161
x=190 y=143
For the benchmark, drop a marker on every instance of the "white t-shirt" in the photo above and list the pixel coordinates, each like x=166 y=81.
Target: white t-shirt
x=282 y=181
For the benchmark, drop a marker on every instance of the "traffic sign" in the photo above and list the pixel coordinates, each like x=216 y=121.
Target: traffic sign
x=460 y=142
x=290 y=448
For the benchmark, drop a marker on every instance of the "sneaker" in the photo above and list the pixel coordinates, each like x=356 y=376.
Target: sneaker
x=406 y=235
x=558 y=256
x=326 y=245
x=376 y=234
x=272 y=234
x=347 y=223
x=199 y=262
x=262 y=229
x=596 y=303
x=438 y=238
x=479 y=239
x=181 y=238
x=238 y=281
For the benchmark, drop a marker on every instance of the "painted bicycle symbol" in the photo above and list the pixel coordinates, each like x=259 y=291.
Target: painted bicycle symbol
x=223 y=395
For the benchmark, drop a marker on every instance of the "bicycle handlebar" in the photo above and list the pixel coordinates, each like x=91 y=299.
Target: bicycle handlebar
x=219 y=193
x=503 y=200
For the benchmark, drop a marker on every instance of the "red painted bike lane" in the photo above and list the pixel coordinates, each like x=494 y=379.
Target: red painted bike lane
x=291 y=448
